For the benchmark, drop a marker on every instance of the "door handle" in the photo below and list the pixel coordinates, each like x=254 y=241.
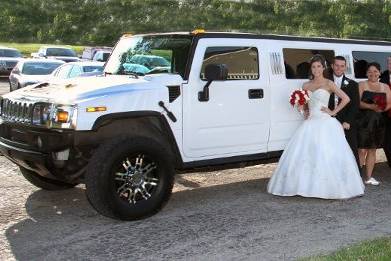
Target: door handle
x=255 y=94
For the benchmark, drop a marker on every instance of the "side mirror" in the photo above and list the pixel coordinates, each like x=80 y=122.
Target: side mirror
x=213 y=72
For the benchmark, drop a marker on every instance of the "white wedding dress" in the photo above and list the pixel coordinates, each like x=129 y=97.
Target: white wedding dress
x=317 y=162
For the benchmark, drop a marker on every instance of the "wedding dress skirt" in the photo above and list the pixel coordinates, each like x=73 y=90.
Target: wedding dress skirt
x=317 y=162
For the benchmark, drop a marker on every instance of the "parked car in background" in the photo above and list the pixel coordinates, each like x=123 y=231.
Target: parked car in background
x=9 y=57
x=101 y=56
x=77 y=69
x=31 y=71
x=89 y=52
x=147 y=64
x=65 y=54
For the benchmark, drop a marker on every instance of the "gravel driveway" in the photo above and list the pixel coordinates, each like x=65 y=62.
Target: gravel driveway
x=221 y=215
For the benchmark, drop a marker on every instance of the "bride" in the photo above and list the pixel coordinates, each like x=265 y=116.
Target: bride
x=318 y=162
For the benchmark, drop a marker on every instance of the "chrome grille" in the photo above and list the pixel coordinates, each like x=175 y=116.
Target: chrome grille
x=16 y=111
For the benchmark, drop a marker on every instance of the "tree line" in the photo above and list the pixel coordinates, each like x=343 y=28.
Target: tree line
x=101 y=22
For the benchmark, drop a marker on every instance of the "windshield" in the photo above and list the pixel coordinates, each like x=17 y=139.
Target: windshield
x=10 y=53
x=150 y=54
x=39 y=68
x=60 y=52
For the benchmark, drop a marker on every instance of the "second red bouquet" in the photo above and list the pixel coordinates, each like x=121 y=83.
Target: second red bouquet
x=380 y=101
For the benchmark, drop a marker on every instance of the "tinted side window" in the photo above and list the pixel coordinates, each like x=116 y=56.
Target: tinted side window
x=361 y=59
x=242 y=62
x=297 y=64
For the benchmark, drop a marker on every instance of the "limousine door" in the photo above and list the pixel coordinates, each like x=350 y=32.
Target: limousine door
x=235 y=119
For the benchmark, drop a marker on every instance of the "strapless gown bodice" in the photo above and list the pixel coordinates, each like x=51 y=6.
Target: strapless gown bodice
x=318 y=99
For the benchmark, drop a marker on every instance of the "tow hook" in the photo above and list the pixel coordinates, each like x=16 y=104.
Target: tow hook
x=169 y=114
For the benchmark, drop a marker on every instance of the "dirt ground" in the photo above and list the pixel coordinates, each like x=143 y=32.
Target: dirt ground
x=221 y=215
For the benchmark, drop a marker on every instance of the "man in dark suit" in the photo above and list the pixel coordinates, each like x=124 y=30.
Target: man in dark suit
x=385 y=78
x=347 y=116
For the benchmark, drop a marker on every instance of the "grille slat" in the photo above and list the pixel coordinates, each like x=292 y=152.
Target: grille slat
x=16 y=111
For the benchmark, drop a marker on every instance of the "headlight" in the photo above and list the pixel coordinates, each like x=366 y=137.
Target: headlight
x=54 y=116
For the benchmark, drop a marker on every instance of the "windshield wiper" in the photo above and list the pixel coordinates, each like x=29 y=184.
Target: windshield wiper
x=134 y=74
x=157 y=70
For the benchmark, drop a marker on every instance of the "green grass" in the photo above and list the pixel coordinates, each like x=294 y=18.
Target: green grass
x=27 y=48
x=376 y=250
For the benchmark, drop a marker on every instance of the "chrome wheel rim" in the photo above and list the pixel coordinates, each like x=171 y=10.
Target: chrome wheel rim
x=136 y=179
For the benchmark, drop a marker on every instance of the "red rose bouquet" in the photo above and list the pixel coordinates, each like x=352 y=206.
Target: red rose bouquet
x=299 y=98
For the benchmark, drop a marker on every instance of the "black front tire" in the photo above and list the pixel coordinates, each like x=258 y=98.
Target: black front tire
x=101 y=178
x=45 y=183
x=10 y=85
x=388 y=156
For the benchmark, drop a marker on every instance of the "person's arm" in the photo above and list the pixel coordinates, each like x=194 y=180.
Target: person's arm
x=306 y=110
x=344 y=99
x=388 y=98
x=342 y=95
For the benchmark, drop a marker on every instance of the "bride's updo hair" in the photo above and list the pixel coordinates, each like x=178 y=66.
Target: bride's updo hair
x=318 y=58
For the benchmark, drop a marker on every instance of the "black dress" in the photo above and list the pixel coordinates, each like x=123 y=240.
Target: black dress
x=371 y=124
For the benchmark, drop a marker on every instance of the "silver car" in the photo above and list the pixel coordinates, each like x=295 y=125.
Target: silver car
x=9 y=57
x=65 y=54
x=31 y=71
x=77 y=69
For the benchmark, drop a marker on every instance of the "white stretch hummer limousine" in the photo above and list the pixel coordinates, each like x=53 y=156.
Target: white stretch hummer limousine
x=166 y=102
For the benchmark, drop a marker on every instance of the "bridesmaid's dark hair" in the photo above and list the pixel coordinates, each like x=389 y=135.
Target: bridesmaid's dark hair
x=318 y=58
x=374 y=64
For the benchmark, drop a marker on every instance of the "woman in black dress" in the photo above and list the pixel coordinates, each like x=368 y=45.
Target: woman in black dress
x=375 y=97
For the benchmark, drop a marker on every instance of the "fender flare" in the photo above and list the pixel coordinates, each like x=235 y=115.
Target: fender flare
x=163 y=127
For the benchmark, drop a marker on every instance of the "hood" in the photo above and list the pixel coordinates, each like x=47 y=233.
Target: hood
x=77 y=89
x=33 y=78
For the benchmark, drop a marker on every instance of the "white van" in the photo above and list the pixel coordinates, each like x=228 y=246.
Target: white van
x=205 y=99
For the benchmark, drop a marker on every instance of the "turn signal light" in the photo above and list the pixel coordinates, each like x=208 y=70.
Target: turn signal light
x=96 y=109
x=62 y=116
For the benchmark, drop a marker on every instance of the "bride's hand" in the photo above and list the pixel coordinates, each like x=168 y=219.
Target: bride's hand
x=328 y=111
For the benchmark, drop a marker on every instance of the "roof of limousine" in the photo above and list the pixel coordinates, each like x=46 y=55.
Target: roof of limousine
x=206 y=34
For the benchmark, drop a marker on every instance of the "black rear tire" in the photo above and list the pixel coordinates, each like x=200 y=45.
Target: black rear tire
x=116 y=190
x=45 y=183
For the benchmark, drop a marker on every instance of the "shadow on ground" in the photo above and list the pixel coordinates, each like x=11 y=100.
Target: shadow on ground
x=231 y=221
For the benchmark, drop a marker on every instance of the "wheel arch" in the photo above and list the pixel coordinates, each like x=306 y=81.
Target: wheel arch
x=146 y=123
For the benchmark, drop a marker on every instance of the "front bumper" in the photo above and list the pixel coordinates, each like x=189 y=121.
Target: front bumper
x=28 y=159
x=5 y=72
x=33 y=148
